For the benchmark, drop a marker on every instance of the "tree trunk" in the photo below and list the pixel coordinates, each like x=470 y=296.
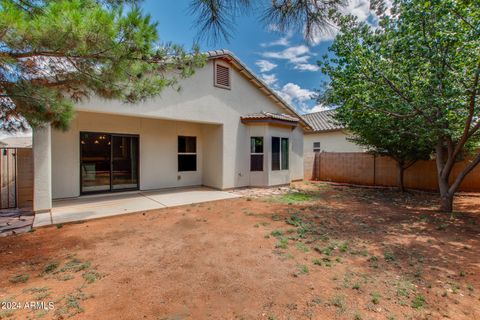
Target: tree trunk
x=446 y=196
x=401 y=174
x=446 y=203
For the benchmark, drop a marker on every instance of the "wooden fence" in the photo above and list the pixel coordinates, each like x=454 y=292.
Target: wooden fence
x=25 y=178
x=367 y=169
x=16 y=178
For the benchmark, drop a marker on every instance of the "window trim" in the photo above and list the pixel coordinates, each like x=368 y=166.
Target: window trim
x=187 y=153
x=317 y=149
x=257 y=153
x=215 y=83
x=280 y=153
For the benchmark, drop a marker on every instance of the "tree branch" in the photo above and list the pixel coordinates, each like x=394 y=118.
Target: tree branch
x=464 y=173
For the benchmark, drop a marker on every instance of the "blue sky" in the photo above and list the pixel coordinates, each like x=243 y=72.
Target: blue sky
x=284 y=60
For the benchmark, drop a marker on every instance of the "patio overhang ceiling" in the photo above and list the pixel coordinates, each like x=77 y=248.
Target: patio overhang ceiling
x=230 y=58
x=271 y=119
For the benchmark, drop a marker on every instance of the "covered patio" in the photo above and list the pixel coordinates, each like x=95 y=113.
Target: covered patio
x=113 y=204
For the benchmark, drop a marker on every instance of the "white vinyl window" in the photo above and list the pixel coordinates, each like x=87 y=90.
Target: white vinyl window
x=280 y=154
x=256 y=154
x=316 y=147
x=187 y=153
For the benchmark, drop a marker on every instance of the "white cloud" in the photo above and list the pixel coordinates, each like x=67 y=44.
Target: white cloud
x=283 y=41
x=307 y=67
x=319 y=36
x=297 y=54
x=272 y=27
x=358 y=8
x=265 y=65
x=317 y=108
x=269 y=79
x=295 y=92
x=296 y=95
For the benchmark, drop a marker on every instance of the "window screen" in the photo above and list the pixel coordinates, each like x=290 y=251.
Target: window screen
x=187 y=153
x=256 y=154
x=275 y=153
x=284 y=153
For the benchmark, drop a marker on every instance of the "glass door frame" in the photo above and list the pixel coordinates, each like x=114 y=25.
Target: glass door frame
x=111 y=190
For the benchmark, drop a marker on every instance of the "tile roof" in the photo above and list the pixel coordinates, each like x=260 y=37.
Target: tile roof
x=270 y=115
x=322 y=121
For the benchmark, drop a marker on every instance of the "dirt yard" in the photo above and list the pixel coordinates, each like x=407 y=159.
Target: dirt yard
x=325 y=252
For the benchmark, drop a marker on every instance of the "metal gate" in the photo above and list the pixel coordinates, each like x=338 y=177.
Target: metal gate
x=8 y=178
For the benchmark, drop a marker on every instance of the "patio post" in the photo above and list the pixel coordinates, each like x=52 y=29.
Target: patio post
x=42 y=170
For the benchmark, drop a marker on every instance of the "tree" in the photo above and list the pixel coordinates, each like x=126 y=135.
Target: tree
x=420 y=65
x=56 y=52
x=216 y=18
x=403 y=140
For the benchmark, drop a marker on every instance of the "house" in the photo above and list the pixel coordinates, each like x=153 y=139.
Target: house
x=224 y=129
x=326 y=136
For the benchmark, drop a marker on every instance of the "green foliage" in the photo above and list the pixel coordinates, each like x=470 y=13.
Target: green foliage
x=296 y=197
x=50 y=267
x=376 y=297
x=56 y=53
x=21 y=278
x=277 y=233
x=302 y=247
x=410 y=85
x=303 y=269
x=215 y=19
x=418 y=302
x=389 y=256
x=317 y=262
x=282 y=243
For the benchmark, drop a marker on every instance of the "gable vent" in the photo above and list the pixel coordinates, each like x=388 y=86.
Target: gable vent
x=222 y=76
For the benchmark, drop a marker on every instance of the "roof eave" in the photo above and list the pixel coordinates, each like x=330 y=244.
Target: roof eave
x=325 y=130
x=245 y=71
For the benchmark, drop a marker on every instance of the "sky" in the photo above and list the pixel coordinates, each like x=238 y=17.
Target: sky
x=284 y=60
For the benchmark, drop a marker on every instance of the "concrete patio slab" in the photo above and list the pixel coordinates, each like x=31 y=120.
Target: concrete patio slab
x=188 y=196
x=106 y=205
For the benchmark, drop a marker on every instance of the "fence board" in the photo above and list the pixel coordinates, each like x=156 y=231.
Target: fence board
x=367 y=169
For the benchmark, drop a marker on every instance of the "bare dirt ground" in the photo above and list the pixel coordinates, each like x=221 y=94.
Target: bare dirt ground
x=326 y=252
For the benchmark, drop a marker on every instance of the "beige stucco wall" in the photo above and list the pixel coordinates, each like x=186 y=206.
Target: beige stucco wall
x=200 y=109
x=268 y=177
x=200 y=101
x=158 y=152
x=333 y=141
x=42 y=169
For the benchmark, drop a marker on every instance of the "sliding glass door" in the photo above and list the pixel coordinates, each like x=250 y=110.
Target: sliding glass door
x=108 y=162
x=124 y=162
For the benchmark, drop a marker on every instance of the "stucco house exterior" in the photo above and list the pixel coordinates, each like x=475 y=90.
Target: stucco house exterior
x=326 y=136
x=224 y=129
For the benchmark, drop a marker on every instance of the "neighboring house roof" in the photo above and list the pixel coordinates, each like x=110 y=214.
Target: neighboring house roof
x=259 y=83
x=16 y=142
x=323 y=121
